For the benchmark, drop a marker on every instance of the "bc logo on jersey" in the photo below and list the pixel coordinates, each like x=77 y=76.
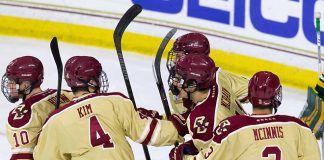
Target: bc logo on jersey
x=201 y=124
x=222 y=127
x=19 y=112
x=19 y=116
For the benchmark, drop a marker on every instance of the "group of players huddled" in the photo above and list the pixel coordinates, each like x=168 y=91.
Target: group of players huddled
x=92 y=124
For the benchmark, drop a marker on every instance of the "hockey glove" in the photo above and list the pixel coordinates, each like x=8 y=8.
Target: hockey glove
x=144 y=113
x=186 y=148
x=180 y=122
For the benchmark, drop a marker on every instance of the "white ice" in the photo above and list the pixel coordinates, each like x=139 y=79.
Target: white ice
x=139 y=68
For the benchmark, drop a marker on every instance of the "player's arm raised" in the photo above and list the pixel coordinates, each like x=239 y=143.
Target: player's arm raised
x=146 y=130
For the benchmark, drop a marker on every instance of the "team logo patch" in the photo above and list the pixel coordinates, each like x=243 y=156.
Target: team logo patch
x=222 y=127
x=201 y=124
x=19 y=116
x=19 y=112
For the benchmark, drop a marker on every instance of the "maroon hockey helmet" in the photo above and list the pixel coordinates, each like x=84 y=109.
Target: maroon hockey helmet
x=196 y=68
x=265 y=89
x=26 y=68
x=79 y=70
x=191 y=43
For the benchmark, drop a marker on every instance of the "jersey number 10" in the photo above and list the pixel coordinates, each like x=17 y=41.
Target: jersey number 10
x=98 y=136
x=23 y=138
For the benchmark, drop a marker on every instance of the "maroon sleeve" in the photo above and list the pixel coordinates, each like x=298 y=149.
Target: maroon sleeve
x=21 y=156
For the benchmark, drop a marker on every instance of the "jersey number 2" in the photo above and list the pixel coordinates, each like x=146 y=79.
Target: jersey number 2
x=98 y=136
x=272 y=150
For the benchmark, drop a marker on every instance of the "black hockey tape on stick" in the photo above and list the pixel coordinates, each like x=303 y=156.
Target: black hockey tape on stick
x=59 y=66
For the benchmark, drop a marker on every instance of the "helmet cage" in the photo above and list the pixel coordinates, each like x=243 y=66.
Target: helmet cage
x=7 y=89
x=103 y=82
x=172 y=56
x=172 y=80
x=170 y=60
x=188 y=86
x=278 y=97
x=171 y=76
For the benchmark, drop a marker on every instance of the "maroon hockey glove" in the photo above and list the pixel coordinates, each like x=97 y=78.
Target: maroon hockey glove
x=149 y=113
x=180 y=122
x=176 y=153
x=187 y=148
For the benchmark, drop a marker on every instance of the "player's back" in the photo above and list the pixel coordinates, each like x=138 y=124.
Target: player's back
x=257 y=137
x=92 y=127
x=26 y=120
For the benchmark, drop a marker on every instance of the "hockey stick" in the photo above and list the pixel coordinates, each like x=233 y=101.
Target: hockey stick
x=318 y=36
x=127 y=18
x=59 y=66
x=312 y=111
x=157 y=71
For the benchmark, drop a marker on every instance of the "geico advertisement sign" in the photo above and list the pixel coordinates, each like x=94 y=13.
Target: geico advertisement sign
x=276 y=20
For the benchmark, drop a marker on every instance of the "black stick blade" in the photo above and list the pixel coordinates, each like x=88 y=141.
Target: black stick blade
x=56 y=54
x=59 y=66
x=127 y=18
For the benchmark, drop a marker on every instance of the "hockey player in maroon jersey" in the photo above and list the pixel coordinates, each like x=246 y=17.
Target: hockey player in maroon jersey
x=197 y=43
x=190 y=43
x=95 y=125
x=211 y=92
x=217 y=96
x=261 y=135
x=22 y=80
